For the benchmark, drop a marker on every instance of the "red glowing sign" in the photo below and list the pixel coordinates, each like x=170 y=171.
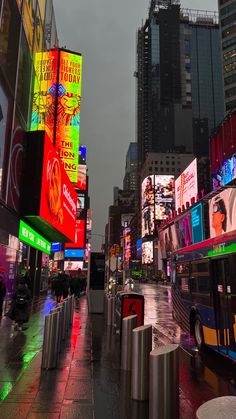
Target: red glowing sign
x=82 y=179
x=133 y=305
x=58 y=197
x=79 y=238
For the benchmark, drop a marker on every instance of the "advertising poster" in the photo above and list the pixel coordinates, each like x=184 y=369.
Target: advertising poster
x=73 y=265
x=186 y=186
x=147 y=203
x=226 y=173
x=184 y=230
x=68 y=112
x=3 y=129
x=45 y=91
x=197 y=224
x=147 y=253
x=133 y=306
x=58 y=202
x=81 y=183
x=164 y=196
x=79 y=241
x=127 y=244
x=222 y=212
x=16 y=165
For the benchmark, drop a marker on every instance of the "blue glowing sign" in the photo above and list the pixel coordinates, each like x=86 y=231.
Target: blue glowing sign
x=56 y=247
x=74 y=253
x=139 y=248
x=197 y=224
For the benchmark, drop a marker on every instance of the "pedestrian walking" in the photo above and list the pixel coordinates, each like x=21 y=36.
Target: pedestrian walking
x=2 y=293
x=78 y=284
x=65 y=284
x=57 y=286
x=20 y=306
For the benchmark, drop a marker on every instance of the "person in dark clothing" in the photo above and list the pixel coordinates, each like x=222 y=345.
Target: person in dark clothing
x=20 y=307
x=77 y=284
x=57 y=286
x=65 y=284
x=2 y=293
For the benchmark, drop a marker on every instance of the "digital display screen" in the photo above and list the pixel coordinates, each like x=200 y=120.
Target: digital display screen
x=28 y=235
x=197 y=224
x=73 y=265
x=82 y=178
x=127 y=244
x=139 y=248
x=79 y=241
x=222 y=212
x=147 y=253
x=186 y=186
x=74 y=253
x=184 y=230
x=56 y=247
x=68 y=112
x=82 y=154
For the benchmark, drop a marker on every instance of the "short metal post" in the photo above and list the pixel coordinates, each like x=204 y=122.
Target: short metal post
x=50 y=342
x=164 y=383
x=218 y=408
x=129 y=323
x=141 y=348
x=63 y=333
x=69 y=311
x=59 y=310
x=72 y=310
x=109 y=311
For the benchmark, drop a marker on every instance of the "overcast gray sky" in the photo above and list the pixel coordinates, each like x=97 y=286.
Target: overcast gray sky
x=104 y=31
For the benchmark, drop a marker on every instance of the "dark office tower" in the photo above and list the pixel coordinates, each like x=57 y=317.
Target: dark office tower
x=227 y=10
x=179 y=83
x=201 y=43
x=130 y=178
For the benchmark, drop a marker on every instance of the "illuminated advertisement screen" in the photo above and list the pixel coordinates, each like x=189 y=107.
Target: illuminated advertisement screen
x=139 y=248
x=52 y=206
x=81 y=183
x=186 y=186
x=226 y=173
x=164 y=196
x=74 y=253
x=197 y=224
x=157 y=200
x=45 y=91
x=56 y=247
x=28 y=235
x=73 y=265
x=127 y=244
x=82 y=154
x=222 y=212
x=184 y=230
x=68 y=111
x=79 y=241
x=147 y=253
x=58 y=197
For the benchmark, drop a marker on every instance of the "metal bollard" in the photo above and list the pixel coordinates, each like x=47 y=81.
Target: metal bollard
x=72 y=310
x=109 y=310
x=50 y=341
x=129 y=323
x=164 y=383
x=218 y=408
x=63 y=332
x=58 y=310
x=141 y=348
x=69 y=311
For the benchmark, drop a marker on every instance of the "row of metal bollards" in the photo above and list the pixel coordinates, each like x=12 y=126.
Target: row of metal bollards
x=56 y=326
x=154 y=374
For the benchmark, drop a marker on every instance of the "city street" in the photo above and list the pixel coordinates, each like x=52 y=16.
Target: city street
x=88 y=378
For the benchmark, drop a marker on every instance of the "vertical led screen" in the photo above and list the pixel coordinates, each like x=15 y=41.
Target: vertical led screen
x=3 y=129
x=81 y=183
x=127 y=244
x=45 y=91
x=68 y=111
x=222 y=212
x=186 y=186
x=197 y=224
x=79 y=242
x=157 y=201
x=147 y=253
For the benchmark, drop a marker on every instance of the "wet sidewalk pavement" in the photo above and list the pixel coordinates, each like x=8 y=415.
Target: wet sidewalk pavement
x=88 y=382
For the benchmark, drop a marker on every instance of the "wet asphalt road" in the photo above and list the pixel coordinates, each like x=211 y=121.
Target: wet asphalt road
x=203 y=376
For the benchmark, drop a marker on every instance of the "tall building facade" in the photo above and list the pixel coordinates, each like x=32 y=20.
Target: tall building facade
x=179 y=82
x=227 y=11
x=130 y=181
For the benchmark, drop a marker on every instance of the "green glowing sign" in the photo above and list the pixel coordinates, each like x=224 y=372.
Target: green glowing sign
x=221 y=249
x=34 y=239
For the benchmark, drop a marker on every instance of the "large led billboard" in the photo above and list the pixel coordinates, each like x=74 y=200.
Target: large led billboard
x=79 y=240
x=222 y=212
x=186 y=186
x=127 y=244
x=73 y=265
x=68 y=111
x=147 y=253
x=157 y=199
x=45 y=92
x=52 y=205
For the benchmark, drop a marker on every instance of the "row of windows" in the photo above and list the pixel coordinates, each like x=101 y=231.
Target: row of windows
x=228 y=20
x=230 y=80
x=230 y=67
x=231 y=105
x=230 y=92
x=224 y=1
x=229 y=54
x=229 y=42
x=229 y=31
x=227 y=9
x=164 y=170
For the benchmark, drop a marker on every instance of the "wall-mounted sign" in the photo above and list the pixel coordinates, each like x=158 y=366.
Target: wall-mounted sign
x=222 y=212
x=197 y=224
x=52 y=204
x=28 y=235
x=68 y=111
x=79 y=241
x=74 y=253
x=56 y=247
x=186 y=186
x=147 y=253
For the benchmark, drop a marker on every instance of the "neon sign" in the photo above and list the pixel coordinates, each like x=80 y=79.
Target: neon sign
x=34 y=239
